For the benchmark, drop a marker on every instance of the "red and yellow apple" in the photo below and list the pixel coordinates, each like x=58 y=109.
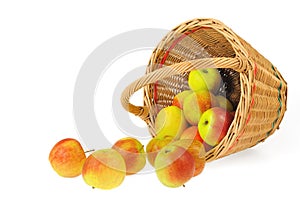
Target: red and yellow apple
x=67 y=158
x=174 y=166
x=104 y=169
x=214 y=124
x=205 y=79
x=154 y=146
x=133 y=153
x=170 y=121
x=224 y=103
x=179 y=98
x=196 y=149
x=191 y=133
x=197 y=103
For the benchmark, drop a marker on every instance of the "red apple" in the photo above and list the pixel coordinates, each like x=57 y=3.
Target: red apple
x=133 y=153
x=197 y=103
x=214 y=124
x=179 y=98
x=174 y=166
x=104 y=169
x=67 y=158
x=154 y=146
x=196 y=149
x=191 y=133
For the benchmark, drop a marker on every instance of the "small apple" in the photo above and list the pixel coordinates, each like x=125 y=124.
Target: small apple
x=154 y=146
x=67 y=158
x=197 y=150
x=197 y=103
x=179 y=98
x=104 y=169
x=214 y=124
x=191 y=133
x=224 y=103
x=133 y=153
x=205 y=79
x=170 y=122
x=174 y=166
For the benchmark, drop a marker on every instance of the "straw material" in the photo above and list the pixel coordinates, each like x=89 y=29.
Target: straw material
x=254 y=86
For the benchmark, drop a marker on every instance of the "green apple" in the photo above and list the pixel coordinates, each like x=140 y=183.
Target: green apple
x=205 y=79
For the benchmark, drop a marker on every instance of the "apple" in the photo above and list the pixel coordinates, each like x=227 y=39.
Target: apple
x=191 y=133
x=179 y=98
x=224 y=103
x=154 y=146
x=196 y=149
x=104 y=169
x=205 y=79
x=214 y=124
x=174 y=166
x=170 y=121
x=196 y=103
x=67 y=158
x=133 y=153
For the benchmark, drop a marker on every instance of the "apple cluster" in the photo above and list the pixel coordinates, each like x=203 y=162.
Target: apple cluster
x=105 y=168
x=196 y=122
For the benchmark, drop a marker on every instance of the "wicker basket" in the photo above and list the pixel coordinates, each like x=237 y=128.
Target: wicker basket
x=251 y=82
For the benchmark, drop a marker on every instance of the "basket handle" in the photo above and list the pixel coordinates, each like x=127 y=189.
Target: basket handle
x=237 y=64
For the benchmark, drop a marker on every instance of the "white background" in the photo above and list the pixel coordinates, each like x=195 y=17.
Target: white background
x=42 y=48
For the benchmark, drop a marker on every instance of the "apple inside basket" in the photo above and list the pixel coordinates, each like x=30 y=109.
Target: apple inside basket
x=205 y=82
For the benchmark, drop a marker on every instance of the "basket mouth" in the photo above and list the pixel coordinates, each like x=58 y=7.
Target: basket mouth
x=194 y=43
x=183 y=44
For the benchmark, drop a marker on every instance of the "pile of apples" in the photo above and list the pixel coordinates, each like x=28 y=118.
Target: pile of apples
x=104 y=168
x=197 y=121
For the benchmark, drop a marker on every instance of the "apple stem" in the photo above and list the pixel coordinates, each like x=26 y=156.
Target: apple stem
x=183 y=185
x=88 y=151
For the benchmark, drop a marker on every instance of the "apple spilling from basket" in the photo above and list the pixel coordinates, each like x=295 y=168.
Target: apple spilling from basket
x=197 y=121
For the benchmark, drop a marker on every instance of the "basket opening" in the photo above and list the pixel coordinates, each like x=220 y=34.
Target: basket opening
x=191 y=44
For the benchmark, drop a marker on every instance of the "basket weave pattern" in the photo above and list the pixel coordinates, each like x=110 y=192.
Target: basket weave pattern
x=252 y=83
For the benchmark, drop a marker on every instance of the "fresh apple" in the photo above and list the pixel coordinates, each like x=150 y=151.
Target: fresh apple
x=133 y=153
x=224 y=103
x=205 y=79
x=104 y=169
x=179 y=98
x=197 y=103
x=174 y=166
x=67 y=158
x=170 y=122
x=191 y=133
x=214 y=124
x=196 y=149
x=154 y=146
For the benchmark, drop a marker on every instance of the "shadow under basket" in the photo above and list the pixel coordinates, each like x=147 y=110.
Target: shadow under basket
x=255 y=87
